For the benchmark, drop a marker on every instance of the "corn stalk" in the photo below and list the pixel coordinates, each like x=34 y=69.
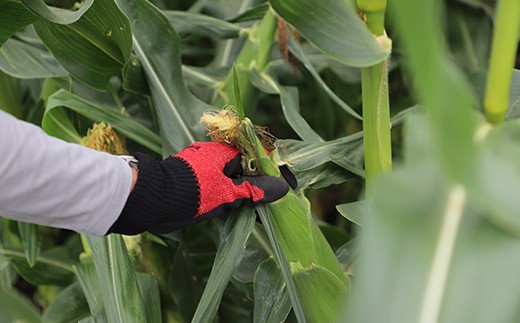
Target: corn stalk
x=376 y=109
x=502 y=60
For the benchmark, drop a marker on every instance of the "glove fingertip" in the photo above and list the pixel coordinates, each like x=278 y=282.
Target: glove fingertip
x=274 y=188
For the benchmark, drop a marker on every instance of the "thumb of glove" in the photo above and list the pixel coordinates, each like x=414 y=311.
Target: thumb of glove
x=273 y=188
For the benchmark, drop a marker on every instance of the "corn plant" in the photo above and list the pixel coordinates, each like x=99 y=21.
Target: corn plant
x=434 y=239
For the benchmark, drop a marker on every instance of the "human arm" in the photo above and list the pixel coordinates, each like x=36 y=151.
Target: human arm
x=48 y=181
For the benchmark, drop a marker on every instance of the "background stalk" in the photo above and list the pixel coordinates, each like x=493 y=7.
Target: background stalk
x=376 y=110
x=503 y=53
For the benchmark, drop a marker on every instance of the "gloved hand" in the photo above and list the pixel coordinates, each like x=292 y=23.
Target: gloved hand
x=194 y=185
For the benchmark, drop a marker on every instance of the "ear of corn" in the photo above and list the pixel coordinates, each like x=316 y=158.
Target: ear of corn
x=316 y=271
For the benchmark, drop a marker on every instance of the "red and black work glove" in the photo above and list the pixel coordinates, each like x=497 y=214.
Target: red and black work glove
x=194 y=185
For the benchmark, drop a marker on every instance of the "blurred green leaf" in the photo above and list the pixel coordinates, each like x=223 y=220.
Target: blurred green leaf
x=335 y=28
x=352 y=211
x=69 y=306
x=190 y=23
x=97 y=46
x=495 y=190
x=514 y=99
x=178 y=111
x=440 y=86
x=16 y=308
x=231 y=250
x=438 y=240
x=31 y=240
x=56 y=123
x=118 y=283
x=24 y=60
x=290 y=104
x=57 y=15
x=272 y=303
x=13 y=17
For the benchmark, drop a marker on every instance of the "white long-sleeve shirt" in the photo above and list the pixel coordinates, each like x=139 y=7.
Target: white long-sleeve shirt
x=48 y=181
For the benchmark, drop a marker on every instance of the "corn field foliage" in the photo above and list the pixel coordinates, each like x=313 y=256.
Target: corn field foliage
x=399 y=123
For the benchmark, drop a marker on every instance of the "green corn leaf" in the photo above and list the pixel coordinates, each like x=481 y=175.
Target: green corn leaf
x=186 y=286
x=335 y=28
x=303 y=156
x=178 y=111
x=31 y=240
x=134 y=79
x=231 y=250
x=290 y=103
x=150 y=293
x=13 y=17
x=16 y=308
x=118 y=283
x=204 y=77
x=190 y=23
x=309 y=160
x=90 y=284
x=10 y=100
x=56 y=123
x=263 y=213
x=27 y=61
x=69 y=305
x=296 y=49
x=53 y=266
x=237 y=97
x=254 y=13
x=272 y=303
x=97 y=46
x=321 y=293
x=352 y=211
x=322 y=176
x=57 y=15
